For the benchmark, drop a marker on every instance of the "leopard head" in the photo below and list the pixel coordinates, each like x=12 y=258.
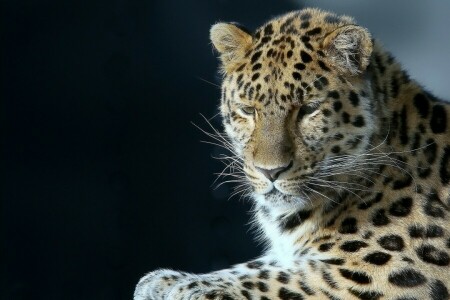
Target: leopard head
x=296 y=102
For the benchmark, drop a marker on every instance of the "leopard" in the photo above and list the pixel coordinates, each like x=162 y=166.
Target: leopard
x=346 y=159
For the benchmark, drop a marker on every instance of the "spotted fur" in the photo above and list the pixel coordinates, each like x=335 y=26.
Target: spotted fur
x=348 y=162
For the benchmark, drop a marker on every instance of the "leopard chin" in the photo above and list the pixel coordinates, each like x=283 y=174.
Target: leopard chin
x=277 y=198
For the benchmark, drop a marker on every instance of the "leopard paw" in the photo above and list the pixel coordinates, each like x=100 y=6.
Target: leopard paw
x=156 y=285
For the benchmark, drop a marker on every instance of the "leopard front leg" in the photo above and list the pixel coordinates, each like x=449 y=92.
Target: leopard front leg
x=169 y=284
x=261 y=279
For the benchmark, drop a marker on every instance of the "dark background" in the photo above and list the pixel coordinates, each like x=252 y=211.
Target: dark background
x=104 y=177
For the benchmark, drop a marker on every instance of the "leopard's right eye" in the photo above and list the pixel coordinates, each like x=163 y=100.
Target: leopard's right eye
x=248 y=110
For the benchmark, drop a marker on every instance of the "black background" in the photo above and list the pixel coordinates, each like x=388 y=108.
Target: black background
x=104 y=177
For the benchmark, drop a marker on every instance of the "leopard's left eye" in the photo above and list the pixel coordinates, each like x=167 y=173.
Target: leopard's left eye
x=307 y=109
x=248 y=110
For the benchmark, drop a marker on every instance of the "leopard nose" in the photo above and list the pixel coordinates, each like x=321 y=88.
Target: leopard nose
x=273 y=174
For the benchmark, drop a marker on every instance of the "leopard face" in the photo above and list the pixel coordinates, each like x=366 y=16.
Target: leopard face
x=294 y=104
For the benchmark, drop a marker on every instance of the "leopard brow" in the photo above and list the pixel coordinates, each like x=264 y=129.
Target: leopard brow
x=242 y=101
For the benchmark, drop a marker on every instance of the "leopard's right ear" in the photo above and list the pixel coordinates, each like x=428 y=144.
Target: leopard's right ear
x=232 y=42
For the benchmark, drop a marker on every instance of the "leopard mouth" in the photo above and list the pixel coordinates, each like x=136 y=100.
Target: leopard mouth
x=297 y=195
x=274 y=192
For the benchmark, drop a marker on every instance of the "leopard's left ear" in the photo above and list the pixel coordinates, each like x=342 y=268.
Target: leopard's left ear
x=349 y=48
x=232 y=42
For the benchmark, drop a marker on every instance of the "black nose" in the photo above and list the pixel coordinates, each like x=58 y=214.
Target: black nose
x=272 y=174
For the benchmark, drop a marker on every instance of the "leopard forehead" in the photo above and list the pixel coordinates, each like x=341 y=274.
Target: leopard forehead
x=286 y=64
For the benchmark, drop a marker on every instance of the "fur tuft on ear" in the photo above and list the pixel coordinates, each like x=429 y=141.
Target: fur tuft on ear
x=231 y=42
x=349 y=48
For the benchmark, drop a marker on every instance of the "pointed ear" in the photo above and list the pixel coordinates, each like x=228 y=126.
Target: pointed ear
x=231 y=42
x=349 y=48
